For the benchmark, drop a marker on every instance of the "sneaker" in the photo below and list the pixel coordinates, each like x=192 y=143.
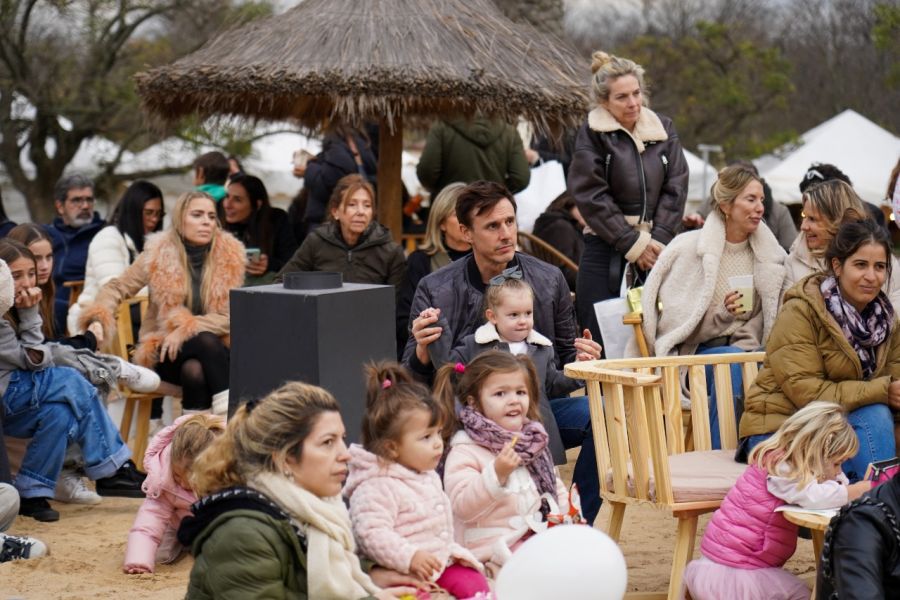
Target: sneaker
x=137 y=378
x=13 y=547
x=71 y=488
x=38 y=509
x=126 y=482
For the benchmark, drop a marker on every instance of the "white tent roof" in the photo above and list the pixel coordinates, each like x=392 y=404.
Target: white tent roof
x=857 y=146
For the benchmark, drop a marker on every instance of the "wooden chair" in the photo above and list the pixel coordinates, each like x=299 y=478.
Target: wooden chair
x=75 y=289
x=636 y=417
x=538 y=248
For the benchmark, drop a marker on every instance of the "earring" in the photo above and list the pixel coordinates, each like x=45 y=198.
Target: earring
x=288 y=474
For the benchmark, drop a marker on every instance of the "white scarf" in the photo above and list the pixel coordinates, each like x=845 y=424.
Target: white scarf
x=333 y=571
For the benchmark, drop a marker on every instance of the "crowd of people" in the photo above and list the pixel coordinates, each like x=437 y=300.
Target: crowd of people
x=464 y=428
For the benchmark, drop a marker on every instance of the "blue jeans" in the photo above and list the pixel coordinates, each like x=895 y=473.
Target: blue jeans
x=874 y=427
x=55 y=407
x=737 y=391
x=573 y=416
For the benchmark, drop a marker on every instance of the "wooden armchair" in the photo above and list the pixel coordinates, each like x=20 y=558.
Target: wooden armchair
x=636 y=416
x=538 y=248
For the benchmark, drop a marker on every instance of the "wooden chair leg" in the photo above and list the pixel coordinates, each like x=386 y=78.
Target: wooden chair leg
x=616 y=518
x=127 y=415
x=684 y=551
x=142 y=433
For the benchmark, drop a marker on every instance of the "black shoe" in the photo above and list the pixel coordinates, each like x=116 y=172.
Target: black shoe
x=126 y=482
x=15 y=547
x=38 y=509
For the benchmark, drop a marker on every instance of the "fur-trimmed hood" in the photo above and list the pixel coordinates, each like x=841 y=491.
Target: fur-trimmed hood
x=649 y=127
x=488 y=333
x=7 y=297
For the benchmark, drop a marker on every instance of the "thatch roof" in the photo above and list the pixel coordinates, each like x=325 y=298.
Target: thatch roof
x=361 y=59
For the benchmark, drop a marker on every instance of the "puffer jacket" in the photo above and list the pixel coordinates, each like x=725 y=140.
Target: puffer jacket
x=461 y=303
x=641 y=176
x=746 y=532
x=473 y=150
x=861 y=557
x=376 y=258
x=70 y=250
x=396 y=512
x=808 y=358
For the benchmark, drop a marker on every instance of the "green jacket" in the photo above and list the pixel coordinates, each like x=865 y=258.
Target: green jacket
x=473 y=150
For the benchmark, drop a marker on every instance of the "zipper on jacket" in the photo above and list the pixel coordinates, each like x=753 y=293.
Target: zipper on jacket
x=665 y=162
x=608 y=161
x=640 y=165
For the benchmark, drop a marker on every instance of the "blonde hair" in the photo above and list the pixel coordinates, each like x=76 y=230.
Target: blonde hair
x=837 y=203
x=443 y=206
x=807 y=443
x=606 y=68
x=731 y=182
x=193 y=436
x=493 y=295
x=176 y=234
x=259 y=438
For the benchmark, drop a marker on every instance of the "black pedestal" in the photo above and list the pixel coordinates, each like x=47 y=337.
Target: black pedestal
x=321 y=337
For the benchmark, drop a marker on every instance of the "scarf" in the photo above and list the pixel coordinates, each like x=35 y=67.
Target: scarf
x=865 y=331
x=333 y=571
x=531 y=445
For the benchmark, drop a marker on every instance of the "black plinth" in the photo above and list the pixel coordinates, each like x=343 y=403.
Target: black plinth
x=321 y=337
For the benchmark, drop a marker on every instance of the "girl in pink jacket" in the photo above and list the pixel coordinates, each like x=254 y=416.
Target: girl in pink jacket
x=499 y=473
x=169 y=496
x=400 y=514
x=747 y=541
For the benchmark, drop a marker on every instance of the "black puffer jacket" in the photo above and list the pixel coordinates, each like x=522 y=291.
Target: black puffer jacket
x=615 y=174
x=861 y=557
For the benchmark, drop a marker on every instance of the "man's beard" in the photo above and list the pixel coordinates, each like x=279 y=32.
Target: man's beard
x=80 y=221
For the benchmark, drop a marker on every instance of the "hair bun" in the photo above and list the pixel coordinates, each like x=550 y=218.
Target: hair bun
x=599 y=59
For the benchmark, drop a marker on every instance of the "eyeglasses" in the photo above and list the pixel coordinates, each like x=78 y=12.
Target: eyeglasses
x=81 y=200
x=151 y=213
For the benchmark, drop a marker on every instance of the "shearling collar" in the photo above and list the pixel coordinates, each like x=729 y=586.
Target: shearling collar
x=763 y=242
x=648 y=128
x=487 y=333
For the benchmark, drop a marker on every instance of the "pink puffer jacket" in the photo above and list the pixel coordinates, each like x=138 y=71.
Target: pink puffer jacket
x=746 y=532
x=396 y=511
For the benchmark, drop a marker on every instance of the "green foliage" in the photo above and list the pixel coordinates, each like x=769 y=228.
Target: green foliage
x=886 y=37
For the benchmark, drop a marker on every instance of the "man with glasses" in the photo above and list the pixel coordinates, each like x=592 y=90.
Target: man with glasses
x=72 y=230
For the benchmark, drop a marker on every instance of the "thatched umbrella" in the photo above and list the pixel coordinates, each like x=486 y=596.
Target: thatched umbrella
x=384 y=60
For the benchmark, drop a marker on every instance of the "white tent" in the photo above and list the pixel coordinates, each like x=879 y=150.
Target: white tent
x=857 y=146
x=698 y=185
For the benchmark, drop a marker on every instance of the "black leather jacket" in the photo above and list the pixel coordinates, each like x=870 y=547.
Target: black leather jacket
x=861 y=557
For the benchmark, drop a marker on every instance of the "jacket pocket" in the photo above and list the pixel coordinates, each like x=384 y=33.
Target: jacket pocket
x=21 y=394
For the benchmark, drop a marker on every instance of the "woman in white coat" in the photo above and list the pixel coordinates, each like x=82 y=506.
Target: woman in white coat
x=702 y=312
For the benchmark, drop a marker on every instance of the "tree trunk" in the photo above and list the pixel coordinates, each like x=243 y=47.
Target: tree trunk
x=390 y=195
x=544 y=15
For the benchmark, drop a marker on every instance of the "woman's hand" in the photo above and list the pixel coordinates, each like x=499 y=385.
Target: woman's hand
x=170 y=347
x=506 y=462
x=894 y=394
x=424 y=333
x=258 y=266
x=97 y=329
x=648 y=257
x=424 y=564
x=28 y=297
x=733 y=302
x=586 y=348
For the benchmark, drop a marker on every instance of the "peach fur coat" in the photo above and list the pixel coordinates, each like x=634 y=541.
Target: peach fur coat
x=396 y=511
x=159 y=267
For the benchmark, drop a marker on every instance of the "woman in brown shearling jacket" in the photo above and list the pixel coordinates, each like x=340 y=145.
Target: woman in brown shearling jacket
x=189 y=270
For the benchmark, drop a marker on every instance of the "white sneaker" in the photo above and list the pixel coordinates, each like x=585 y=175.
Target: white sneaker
x=137 y=378
x=16 y=547
x=70 y=488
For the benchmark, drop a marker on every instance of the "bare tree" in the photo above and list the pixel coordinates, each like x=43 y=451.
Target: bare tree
x=545 y=15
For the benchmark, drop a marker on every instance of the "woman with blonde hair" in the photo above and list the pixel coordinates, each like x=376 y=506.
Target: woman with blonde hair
x=189 y=270
x=629 y=179
x=272 y=523
x=696 y=281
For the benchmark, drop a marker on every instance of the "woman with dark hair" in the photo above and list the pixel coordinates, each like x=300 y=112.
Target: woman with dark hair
x=138 y=213
x=562 y=226
x=38 y=241
x=263 y=229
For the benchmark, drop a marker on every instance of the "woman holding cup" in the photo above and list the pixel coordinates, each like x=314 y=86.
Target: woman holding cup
x=719 y=286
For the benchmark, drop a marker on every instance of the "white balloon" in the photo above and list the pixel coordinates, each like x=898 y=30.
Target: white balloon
x=575 y=562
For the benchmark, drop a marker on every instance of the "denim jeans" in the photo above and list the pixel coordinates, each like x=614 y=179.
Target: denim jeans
x=573 y=416
x=874 y=427
x=737 y=391
x=55 y=407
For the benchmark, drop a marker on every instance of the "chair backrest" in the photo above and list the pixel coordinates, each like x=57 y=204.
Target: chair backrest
x=124 y=328
x=636 y=414
x=538 y=248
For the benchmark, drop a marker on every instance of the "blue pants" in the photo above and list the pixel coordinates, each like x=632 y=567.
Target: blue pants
x=737 y=391
x=55 y=407
x=874 y=426
x=573 y=416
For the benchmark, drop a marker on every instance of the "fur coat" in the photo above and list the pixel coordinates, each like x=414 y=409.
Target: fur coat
x=160 y=268
x=684 y=280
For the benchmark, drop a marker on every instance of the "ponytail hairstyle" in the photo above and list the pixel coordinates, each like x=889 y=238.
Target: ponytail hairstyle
x=193 y=436
x=391 y=395
x=853 y=235
x=470 y=378
x=606 y=68
x=730 y=183
x=28 y=234
x=260 y=435
x=807 y=443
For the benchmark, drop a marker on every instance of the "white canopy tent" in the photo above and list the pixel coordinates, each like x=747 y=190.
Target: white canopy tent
x=698 y=185
x=849 y=141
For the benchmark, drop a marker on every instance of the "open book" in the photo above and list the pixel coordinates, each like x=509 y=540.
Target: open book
x=825 y=512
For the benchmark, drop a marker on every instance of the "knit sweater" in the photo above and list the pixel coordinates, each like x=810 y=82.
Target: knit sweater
x=737 y=259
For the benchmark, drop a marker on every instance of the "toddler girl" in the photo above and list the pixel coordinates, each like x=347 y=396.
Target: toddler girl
x=401 y=516
x=499 y=473
x=169 y=493
x=746 y=542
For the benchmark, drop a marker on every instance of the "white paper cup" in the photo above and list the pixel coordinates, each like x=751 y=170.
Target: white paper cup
x=744 y=285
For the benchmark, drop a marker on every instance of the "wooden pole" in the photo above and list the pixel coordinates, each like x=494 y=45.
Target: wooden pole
x=390 y=196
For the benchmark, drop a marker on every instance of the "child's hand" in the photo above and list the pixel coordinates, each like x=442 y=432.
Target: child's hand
x=586 y=347
x=855 y=490
x=506 y=462
x=403 y=593
x=424 y=564
x=135 y=569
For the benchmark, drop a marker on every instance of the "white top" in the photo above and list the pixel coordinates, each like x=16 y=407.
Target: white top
x=827 y=494
x=518 y=347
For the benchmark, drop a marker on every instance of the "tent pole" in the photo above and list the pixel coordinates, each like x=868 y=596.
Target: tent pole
x=390 y=197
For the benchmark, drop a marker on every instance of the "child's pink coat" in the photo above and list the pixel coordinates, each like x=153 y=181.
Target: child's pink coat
x=166 y=504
